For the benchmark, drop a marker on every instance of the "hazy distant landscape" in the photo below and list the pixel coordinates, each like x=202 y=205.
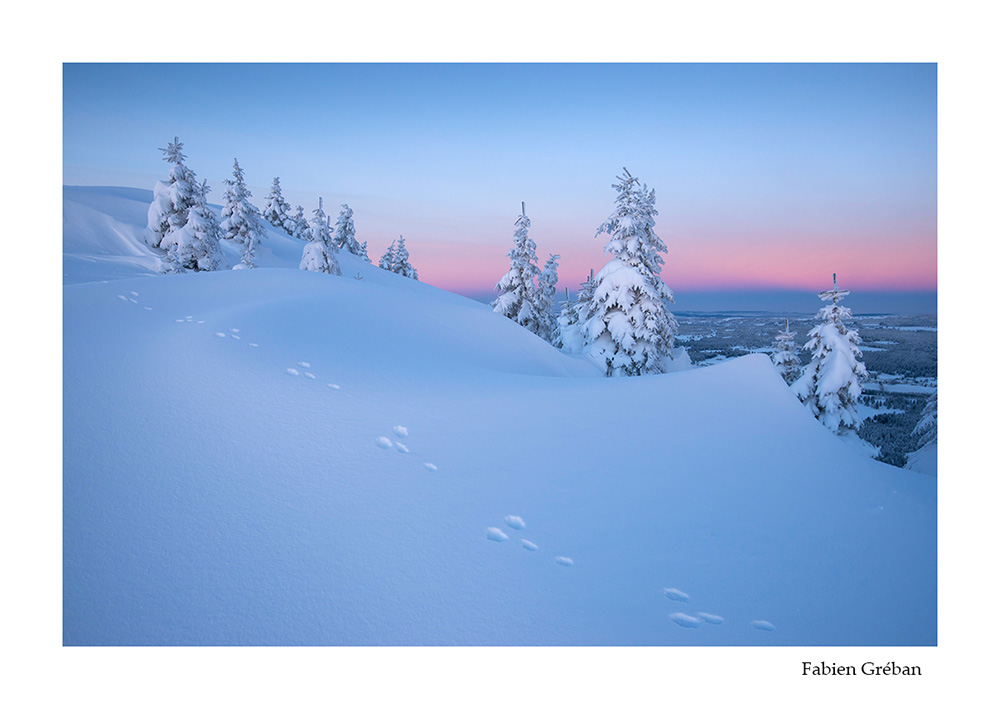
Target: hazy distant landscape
x=900 y=353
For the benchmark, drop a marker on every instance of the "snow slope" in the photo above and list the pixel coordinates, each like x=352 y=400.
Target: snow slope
x=277 y=457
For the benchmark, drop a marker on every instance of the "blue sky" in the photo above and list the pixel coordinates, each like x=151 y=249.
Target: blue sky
x=767 y=175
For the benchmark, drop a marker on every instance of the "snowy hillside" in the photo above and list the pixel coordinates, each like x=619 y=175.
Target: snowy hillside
x=279 y=457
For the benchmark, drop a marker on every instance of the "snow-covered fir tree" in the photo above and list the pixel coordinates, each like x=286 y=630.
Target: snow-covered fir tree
x=926 y=429
x=276 y=208
x=195 y=246
x=517 y=287
x=785 y=357
x=401 y=260
x=240 y=219
x=320 y=254
x=924 y=458
x=628 y=329
x=344 y=234
x=545 y=297
x=569 y=335
x=173 y=198
x=297 y=225
x=830 y=384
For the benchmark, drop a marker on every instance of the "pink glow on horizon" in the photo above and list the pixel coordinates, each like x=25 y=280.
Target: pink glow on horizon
x=701 y=266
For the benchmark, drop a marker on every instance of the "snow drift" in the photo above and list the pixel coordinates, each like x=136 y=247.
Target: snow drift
x=280 y=457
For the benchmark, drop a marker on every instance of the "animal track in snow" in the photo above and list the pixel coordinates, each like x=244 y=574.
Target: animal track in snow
x=383 y=442
x=220 y=334
x=234 y=329
x=121 y=297
x=400 y=431
x=146 y=307
x=305 y=364
x=676 y=595
x=514 y=522
x=133 y=293
x=495 y=534
x=762 y=625
x=235 y=337
x=564 y=561
x=254 y=344
x=710 y=618
x=401 y=448
x=430 y=466
x=333 y=386
x=291 y=370
x=684 y=620
x=309 y=375
x=530 y=546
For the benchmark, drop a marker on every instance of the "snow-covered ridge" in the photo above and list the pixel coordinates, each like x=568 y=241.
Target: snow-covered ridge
x=273 y=456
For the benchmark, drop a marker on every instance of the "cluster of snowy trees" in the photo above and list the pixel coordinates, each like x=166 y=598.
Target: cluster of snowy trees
x=830 y=384
x=527 y=293
x=620 y=317
x=397 y=259
x=182 y=225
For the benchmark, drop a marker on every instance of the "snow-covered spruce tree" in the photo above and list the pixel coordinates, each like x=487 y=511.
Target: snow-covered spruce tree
x=830 y=384
x=195 y=246
x=343 y=234
x=171 y=199
x=275 y=207
x=570 y=336
x=320 y=254
x=389 y=257
x=401 y=263
x=240 y=219
x=545 y=297
x=785 y=358
x=296 y=225
x=628 y=329
x=517 y=287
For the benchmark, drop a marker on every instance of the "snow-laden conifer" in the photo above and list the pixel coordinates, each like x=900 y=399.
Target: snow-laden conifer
x=628 y=329
x=241 y=222
x=785 y=357
x=320 y=254
x=545 y=297
x=517 y=287
x=195 y=246
x=830 y=384
x=570 y=335
x=276 y=208
x=389 y=257
x=173 y=198
x=401 y=261
x=297 y=225
x=344 y=234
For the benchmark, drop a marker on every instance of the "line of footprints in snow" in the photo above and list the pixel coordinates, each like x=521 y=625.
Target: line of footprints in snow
x=494 y=534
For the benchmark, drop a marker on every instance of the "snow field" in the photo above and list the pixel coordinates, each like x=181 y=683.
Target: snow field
x=213 y=497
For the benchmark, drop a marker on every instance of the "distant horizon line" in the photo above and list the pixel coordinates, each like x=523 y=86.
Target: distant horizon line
x=776 y=300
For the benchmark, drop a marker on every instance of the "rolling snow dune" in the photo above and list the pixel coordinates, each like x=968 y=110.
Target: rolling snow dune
x=276 y=457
